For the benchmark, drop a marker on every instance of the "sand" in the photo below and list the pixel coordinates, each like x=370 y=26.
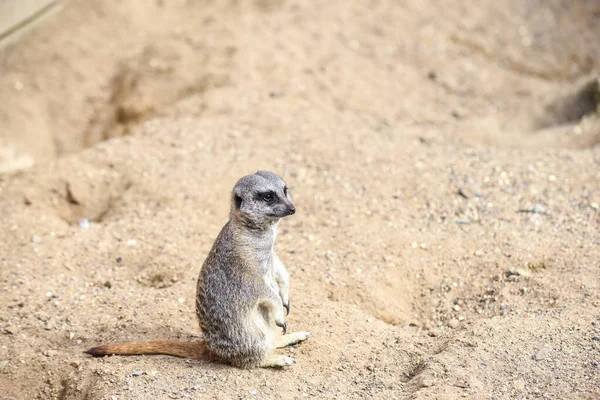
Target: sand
x=443 y=159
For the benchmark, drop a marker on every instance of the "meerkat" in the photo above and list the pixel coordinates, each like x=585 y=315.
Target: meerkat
x=243 y=287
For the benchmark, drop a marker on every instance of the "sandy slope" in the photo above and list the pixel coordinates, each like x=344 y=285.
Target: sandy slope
x=447 y=240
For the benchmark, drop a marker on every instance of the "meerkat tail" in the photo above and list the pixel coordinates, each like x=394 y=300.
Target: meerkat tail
x=195 y=349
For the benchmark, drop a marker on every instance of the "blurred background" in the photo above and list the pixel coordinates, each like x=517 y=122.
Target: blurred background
x=444 y=158
x=513 y=73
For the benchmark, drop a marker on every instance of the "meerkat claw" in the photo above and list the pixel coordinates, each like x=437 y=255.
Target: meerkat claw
x=283 y=326
x=287 y=308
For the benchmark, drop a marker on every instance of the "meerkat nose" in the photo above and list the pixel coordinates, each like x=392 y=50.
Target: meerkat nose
x=291 y=210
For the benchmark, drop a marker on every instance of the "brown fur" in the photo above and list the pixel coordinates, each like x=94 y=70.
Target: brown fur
x=196 y=350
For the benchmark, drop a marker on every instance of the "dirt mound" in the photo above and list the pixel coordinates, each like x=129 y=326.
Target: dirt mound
x=442 y=160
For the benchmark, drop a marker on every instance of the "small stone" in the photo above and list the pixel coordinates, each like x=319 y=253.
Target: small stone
x=423 y=246
x=595 y=206
x=11 y=330
x=519 y=384
x=465 y=193
x=426 y=382
x=136 y=373
x=462 y=221
x=131 y=242
x=453 y=323
x=75 y=364
x=3 y=364
x=540 y=355
x=597 y=337
x=51 y=353
x=50 y=324
x=84 y=224
x=538 y=209
x=36 y=239
x=434 y=333
x=478 y=253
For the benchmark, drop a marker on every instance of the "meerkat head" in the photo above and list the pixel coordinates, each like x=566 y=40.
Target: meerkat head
x=260 y=199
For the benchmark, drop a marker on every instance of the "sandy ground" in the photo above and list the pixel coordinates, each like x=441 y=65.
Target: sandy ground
x=444 y=161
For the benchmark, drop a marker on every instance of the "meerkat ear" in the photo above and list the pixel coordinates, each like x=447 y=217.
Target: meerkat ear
x=238 y=201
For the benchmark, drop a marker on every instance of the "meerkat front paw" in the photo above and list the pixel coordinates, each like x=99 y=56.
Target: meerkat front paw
x=290 y=339
x=302 y=336
x=277 y=361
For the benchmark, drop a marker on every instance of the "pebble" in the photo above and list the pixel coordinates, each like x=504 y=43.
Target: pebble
x=36 y=239
x=478 y=253
x=75 y=364
x=434 y=333
x=427 y=382
x=519 y=384
x=11 y=330
x=3 y=364
x=51 y=353
x=462 y=221
x=597 y=337
x=453 y=323
x=514 y=272
x=538 y=209
x=136 y=373
x=540 y=355
x=84 y=224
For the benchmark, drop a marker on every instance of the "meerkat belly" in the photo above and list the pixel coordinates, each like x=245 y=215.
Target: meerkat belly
x=270 y=283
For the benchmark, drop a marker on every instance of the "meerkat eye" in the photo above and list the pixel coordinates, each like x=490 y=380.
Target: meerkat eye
x=268 y=197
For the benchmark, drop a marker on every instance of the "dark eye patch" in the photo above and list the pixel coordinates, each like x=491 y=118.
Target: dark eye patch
x=268 y=197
